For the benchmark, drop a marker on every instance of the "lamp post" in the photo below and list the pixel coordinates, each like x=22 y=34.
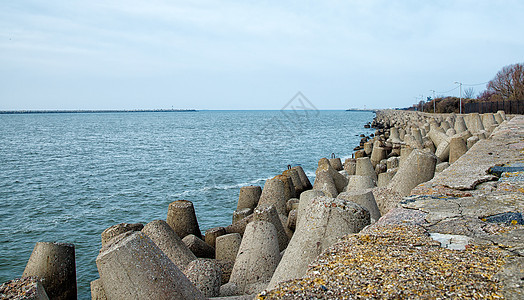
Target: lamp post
x=460 y=103
x=434 y=101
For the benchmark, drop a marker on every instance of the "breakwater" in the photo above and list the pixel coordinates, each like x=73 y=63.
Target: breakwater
x=284 y=227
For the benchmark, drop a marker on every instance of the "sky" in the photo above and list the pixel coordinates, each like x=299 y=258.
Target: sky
x=67 y=54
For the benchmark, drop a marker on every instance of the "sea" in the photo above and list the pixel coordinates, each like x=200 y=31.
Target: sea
x=66 y=177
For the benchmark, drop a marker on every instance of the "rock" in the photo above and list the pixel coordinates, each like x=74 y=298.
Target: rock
x=115 y=230
x=54 y=264
x=135 y=268
x=200 y=248
x=168 y=241
x=249 y=196
x=257 y=258
x=182 y=218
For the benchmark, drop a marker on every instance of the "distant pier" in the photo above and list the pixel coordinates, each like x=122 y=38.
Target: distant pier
x=92 y=111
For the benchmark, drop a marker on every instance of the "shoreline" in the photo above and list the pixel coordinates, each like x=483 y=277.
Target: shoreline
x=373 y=202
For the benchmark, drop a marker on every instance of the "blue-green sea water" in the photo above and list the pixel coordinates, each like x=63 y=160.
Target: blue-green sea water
x=66 y=177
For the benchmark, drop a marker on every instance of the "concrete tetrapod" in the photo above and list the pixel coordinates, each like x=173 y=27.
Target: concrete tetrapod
x=135 y=268
x=118 y=229
x=305 y=199
x=198 y=246
x=327 y=219
x=182 y=218
x=269 y=214
x=54 y=264
x=168 y=241
x=227 y=246
x=360 y=182
x=365 y=199
x=212 y=234
x=419 y=167
x=303 y=177
x=339 y=179
x=457 y=148
x=295 y=179
x=364 y=167
x=97 y=290
x=350 y=165
x=324 y=182
x=26 y=288
x=274 y=194
x=206 y=275
x=257 y=258
x=249 y=196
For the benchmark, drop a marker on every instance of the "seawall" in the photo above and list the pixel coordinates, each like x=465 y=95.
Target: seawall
x=459 y=235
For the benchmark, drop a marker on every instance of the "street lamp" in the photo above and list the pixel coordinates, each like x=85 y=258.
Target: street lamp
x=434 y=101
x=460 y=85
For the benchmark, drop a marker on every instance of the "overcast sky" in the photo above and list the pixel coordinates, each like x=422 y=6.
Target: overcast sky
x=64 y=54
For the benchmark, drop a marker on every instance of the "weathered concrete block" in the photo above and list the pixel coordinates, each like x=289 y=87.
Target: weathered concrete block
x=274 y=193
x=457 y=148
x=270 y=214
x=350 y=165
x=326 y=220
x=118 y=229
x=295 y=179
x=97 y=290
x=135 y=268
x=206 y=276
x=365 y=168
x=200 y=248
x=257 y=258
x=182 y=218
x=54 y=264
x=365 y=199
x=212 y=234
x=241 y=214
x=385 y=178
x=169 y=242
x=303 y=178
x=360 y=182
x=418 y=168
x=249 y=196
x=305 y=199
x=227 y=246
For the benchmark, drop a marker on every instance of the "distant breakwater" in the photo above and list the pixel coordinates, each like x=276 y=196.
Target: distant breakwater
x=11 y=112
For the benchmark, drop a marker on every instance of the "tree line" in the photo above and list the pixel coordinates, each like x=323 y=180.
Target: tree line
x=507 y=85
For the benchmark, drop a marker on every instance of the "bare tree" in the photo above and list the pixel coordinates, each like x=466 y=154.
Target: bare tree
x=469 y=92
x=509 y=82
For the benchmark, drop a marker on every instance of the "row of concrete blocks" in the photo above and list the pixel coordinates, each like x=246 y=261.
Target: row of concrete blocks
x=422 y=131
